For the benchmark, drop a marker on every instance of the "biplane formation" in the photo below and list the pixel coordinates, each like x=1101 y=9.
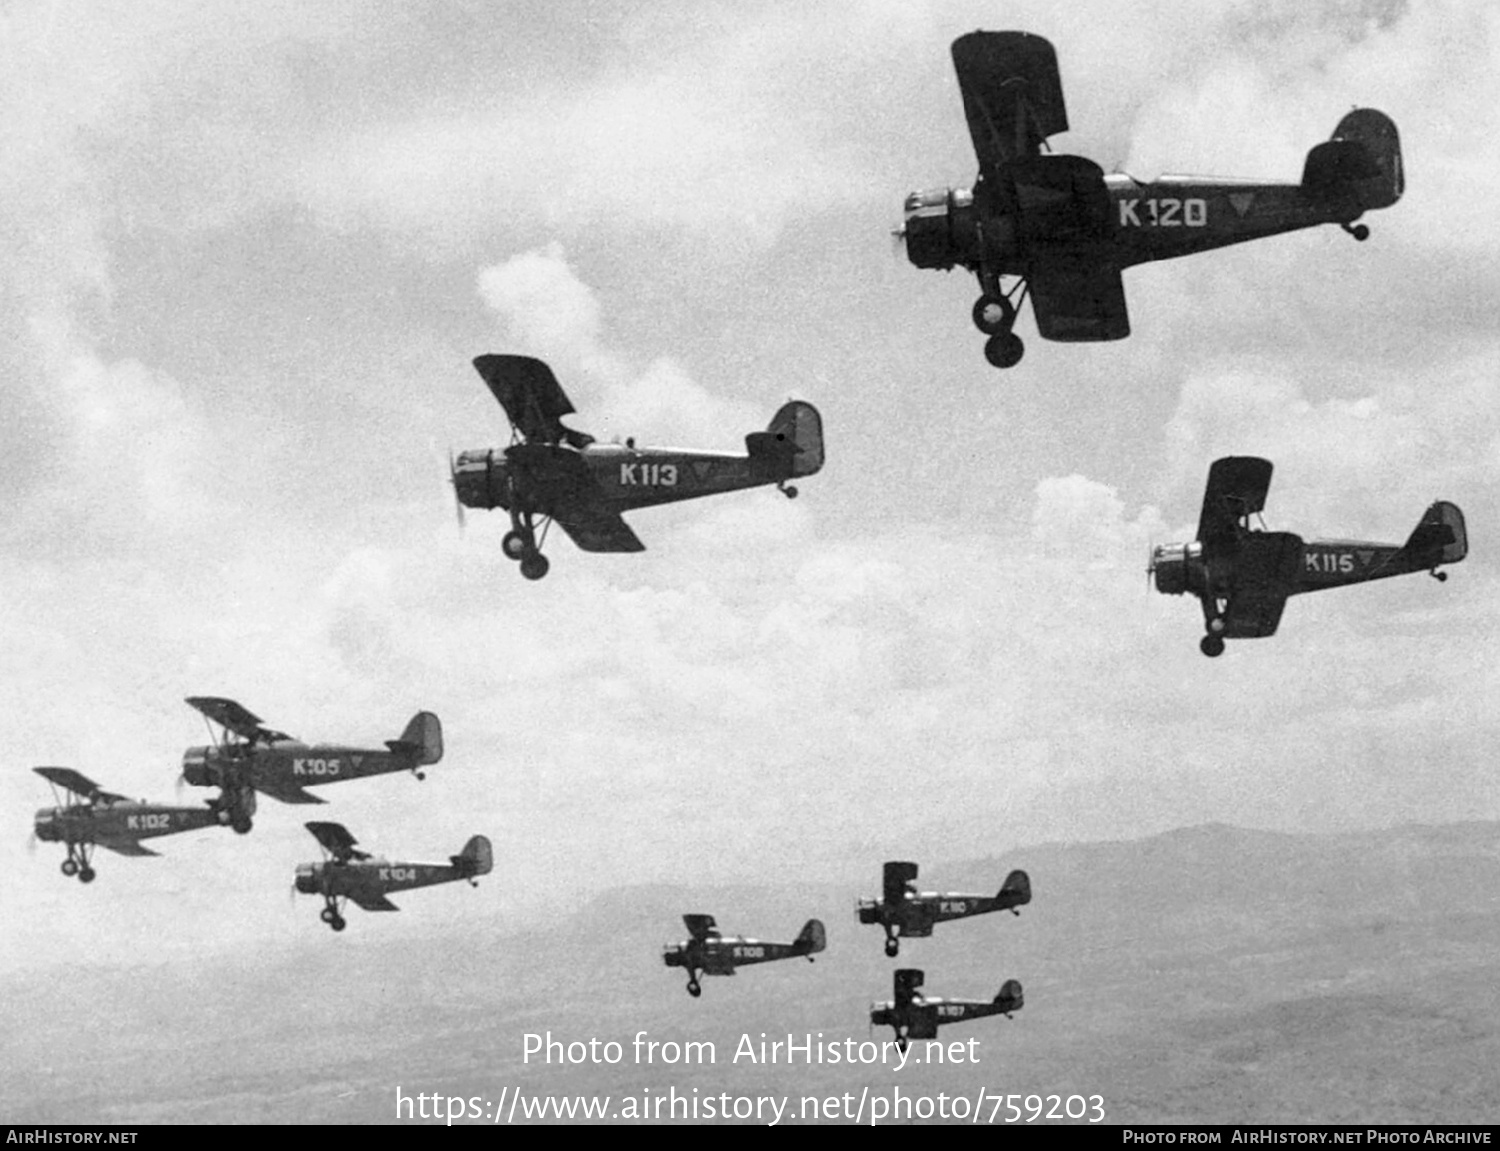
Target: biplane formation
x=905 y=912
x=913 y=1015
x=247 y=758
x=1243 y=577
x=550 y=473
x=348 y=875
x=1057 y=230
x=708 y=952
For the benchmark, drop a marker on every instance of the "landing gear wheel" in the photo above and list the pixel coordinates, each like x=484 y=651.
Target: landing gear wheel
x=1004 y=350
x=69 y=867
x=901 y=1042
x=993 y=314
x=1359 y=231
x=514 y=545
x=1211 y=646
x=534 y=566
x=241 y=824
x=892 y=948
x=1216 y=626
x=327 y=914
x=338 y=923
x=695 y=989
x=421 y=776
x=86 y=874
x=790 y=491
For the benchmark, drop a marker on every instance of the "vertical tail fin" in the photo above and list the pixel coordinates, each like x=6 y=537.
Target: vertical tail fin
x=1010 y=997
x=1440 y=538
x=477 y=857
x=908 y=979
x=423 y=738
x=1016 y=890
x=1361 y=162
x=793 y=443
x=812 y=939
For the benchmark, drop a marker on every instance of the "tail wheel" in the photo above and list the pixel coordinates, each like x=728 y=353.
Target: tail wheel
x=338 y=923
x=1004 y=350
x=69 y=867
x=514 y=545
x=86 y=874
x=695 y=989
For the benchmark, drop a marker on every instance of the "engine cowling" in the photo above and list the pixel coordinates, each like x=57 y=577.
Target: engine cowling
x=1177 y=567
x=480 y=479
x=939 y=228
x=198 y=767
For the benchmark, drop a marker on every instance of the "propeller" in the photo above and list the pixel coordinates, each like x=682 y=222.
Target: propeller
x=1150 y=565
x=453 y=483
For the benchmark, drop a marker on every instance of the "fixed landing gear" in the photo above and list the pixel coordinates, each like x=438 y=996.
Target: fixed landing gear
x=241 y=823
x=520 y=544
x=330 y=915
x=1211 y=646
x=77 y=864
x=995 y=315
x=1358 y=231
x=892 y=946
x=694 y=988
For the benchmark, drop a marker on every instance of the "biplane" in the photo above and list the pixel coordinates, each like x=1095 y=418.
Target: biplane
x=1057 y=229
x=87 y=816
x=906 y=912
x=915 y=1016
x=347 y=874
x=708 y=952
x=1243 y=577
x=247 y=757
x=551 y=473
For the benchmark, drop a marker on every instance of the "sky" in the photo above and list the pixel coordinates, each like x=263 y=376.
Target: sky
x=250 y=251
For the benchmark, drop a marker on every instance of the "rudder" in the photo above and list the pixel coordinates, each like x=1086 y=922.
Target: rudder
x=477 y=857
x=1016 y=890
x=1011 y=997
x=1362 y=159
x=792 y=443
x=422 y=738
x=812 y=938
x=1441 y=534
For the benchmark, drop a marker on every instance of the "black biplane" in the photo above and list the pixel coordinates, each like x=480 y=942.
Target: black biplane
x=708 y=952
x=903 y=910
x=1243 y=577
x=915 y=1016
x=551 y=473
x=87 y=816
x=250 y=758
x=346 y=873
x=1062 y=231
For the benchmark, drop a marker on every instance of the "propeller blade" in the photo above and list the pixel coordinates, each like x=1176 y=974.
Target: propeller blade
x=453 y=483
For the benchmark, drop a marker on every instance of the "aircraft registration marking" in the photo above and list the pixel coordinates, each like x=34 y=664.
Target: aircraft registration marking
x=316 y=766
x=148 y=822
x=741 y=952
x=648 y=475
x=1328 y=563
x=950 y=1010
x=954 y=906
x=397 y=874
x=1164 y=213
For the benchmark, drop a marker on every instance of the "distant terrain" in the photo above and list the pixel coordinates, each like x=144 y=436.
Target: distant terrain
x=1210 y=974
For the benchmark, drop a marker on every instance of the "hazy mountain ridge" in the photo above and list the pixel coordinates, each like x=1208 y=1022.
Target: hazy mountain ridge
x=1210 y=973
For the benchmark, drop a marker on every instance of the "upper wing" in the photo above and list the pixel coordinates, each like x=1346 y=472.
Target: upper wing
x=894 y=877
x=374 y=901
x=597 y=530
x=530 y=394
x=231 y=716
x=286 y=791
x=699 y=926
x=334 y=837
x=1237 y=487
x=126 y=846
x=1078 y=300
x=1012 y=94
x=1266 y=567
x=76 y=782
